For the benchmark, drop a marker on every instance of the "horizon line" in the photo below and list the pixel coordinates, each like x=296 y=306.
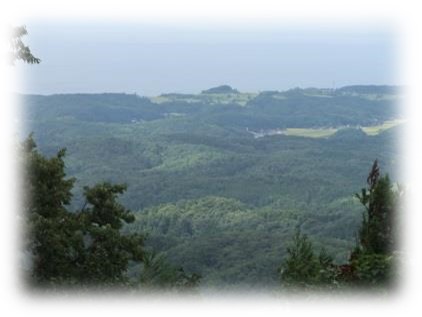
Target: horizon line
x=202 y=91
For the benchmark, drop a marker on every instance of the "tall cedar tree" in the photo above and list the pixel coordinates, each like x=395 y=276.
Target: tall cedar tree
x=371 y=263
x=376 y=234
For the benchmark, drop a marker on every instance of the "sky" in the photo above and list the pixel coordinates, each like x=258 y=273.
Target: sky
x=148 y=59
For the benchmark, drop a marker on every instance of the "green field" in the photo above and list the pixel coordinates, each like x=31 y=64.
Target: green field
x=326 y=132
x=311 y=133
x=376 y=129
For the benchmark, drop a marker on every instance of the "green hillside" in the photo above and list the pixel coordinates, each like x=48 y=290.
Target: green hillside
x=214 y=197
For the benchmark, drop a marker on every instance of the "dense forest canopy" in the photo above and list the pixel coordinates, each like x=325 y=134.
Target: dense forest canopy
x=220 y=181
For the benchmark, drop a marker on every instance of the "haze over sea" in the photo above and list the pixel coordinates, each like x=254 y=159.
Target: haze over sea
x=151 y=59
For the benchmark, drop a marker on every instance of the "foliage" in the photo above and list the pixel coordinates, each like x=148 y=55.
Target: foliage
x=303 y=268
x=228 y=242
x=371 y=263
x=105 y=209
x=51 y=229
x=223 y=89
x=86 y=247
x=158 y=272
x=107 y=252
x=19 y=51
x=373 y=269
x=376 y=234
x=212 y=198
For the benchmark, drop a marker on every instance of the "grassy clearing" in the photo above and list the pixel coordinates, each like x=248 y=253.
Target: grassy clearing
x=239 y=98
x=323 y=133
x=311 y=133
x=159 y=99
x=376 y=129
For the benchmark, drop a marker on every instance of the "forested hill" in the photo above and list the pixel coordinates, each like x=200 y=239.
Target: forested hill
x=225 y=106
x=221 y=179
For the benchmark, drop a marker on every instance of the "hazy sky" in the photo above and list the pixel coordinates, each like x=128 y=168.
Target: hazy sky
x=154 y=59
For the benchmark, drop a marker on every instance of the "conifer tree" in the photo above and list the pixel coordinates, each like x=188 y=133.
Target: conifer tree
x=82 y=247
x=376 y=234
x=303 y=268
x=107 y=251
x=50 y=228
x=371 y=263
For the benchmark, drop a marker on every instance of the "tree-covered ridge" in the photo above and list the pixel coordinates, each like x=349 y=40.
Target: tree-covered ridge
x=301 y=108
x=223 y=239
x=228 y=242
x=173 y=159
x=213 y=198
x=223 y=89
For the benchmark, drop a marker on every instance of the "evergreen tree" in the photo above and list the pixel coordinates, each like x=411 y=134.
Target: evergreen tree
x=107 y=251
x=303 y=268
x=50 y=227
x=158 y=272
x=83 y=247
x=371 y=263
x=376 y=234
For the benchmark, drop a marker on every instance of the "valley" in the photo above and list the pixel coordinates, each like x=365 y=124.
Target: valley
x=220 y=180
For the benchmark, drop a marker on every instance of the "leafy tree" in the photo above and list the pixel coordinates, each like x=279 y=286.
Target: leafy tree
x=18 y=50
